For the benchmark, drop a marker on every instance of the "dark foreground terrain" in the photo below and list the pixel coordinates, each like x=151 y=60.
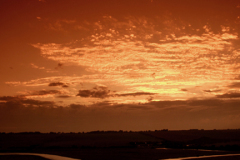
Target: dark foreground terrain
x=16 y=157
x=121 y=145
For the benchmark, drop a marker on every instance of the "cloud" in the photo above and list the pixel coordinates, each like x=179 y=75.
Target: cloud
x=37 y=102
x=59 y=65
x=234 y=85
x=96 y=92
x=42 y=68
x=27 y=97
x=62 y=25
x=198 y=104
x=41 y=93
x=19 y=101
x=147 y=61
x=19 y=114
x=11 y=98
x=48 y=80
x=58 y=84
x=237 y=78
x=134 y=56
x=229 y=95
x=37 y=67
x=45 y=92
x=114 y=48
x=64 y=96
x=212 y=90
x=134 y=94
x=76 y=106
x=104 y=92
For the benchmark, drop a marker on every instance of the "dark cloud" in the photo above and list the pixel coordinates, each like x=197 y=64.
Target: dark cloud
x=104 y=92
x=11 y=98
x=135 y=94
x=211 y=102
x=22 y=98
x=150 y=98
x=15 y=116
x=190 y=103
x=96 y=92
x=184 y=90
x=37 y=102
x=181 y=104
x=57 y=84
x=139 y=107
x=59 y=65
x=234 y=85
x=229 y=95
x=22 y=101
x=237 y=78
x=207 y=90
x=163 y=104
x=76 y=106
x=45 y=92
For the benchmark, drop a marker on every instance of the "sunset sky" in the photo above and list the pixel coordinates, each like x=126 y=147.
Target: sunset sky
x=84 y=65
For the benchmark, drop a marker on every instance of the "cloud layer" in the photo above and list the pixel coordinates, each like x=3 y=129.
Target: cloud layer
x=145 y=64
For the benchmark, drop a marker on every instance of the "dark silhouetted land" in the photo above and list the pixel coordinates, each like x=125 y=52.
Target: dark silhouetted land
x=108 y=145
x=21 y=157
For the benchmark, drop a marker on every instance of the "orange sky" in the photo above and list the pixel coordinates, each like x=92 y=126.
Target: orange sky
x=110 y=65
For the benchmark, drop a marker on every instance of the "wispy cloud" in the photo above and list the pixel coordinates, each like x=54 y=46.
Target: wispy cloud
x=37 y=67
x=42 y=68
x=61 y=25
